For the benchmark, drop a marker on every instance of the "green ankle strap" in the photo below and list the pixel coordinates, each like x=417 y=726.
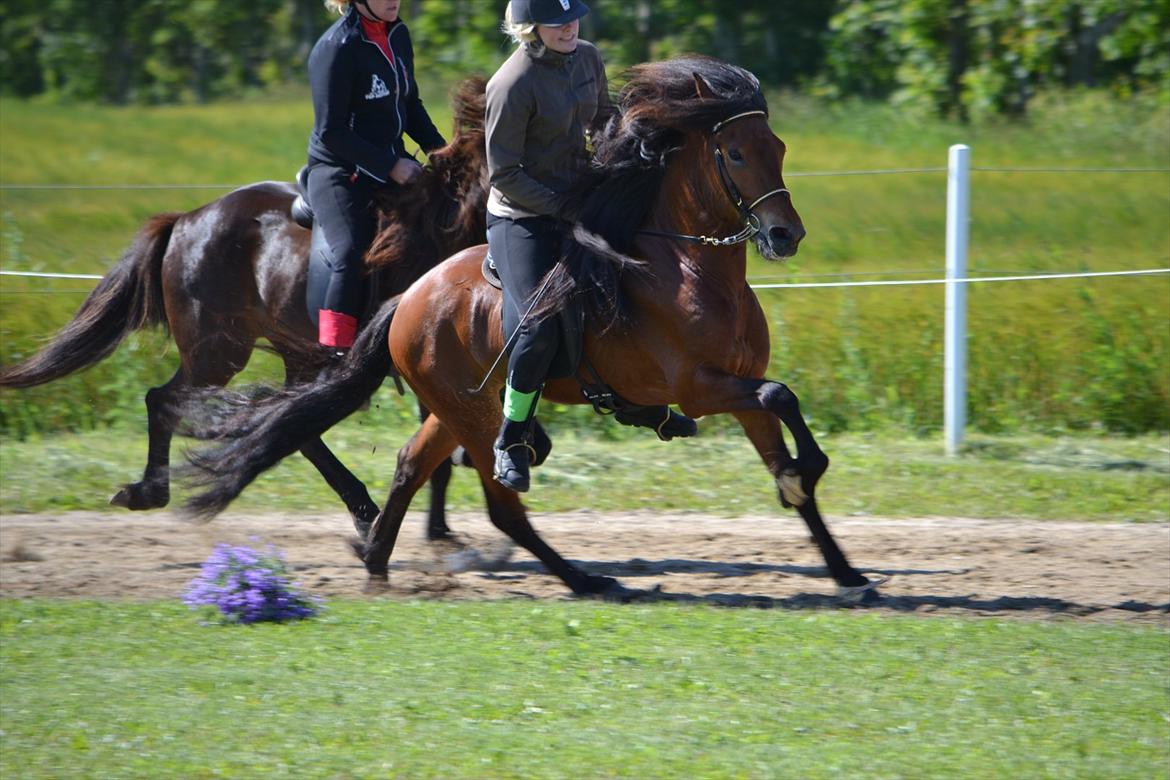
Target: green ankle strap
x=518 y=406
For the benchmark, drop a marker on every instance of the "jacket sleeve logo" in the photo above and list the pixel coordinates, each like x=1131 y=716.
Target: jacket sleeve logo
x=377 y=89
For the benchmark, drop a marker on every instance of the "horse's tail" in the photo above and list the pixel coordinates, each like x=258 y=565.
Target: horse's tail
x=261 y=433
x=127 y=298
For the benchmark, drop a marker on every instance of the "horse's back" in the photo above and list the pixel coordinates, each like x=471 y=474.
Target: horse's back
x=239 y=255
x=447 y=325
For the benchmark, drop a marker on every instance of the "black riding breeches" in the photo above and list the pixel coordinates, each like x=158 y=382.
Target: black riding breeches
x=341 y=210
x=524 y=250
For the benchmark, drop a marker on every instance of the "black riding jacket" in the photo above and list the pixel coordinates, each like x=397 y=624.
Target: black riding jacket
x=362 y=103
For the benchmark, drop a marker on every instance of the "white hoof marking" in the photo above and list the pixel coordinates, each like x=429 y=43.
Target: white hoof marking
x=854 y=593
x=791 y=489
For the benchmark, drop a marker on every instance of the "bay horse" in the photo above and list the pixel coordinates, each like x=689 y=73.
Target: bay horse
x=233 y=271
x=688 y=174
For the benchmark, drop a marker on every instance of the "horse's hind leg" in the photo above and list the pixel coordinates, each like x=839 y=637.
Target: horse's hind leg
x=507 y=513
x=351 y=490
x=437 y=529
x=207 y=361
x=154 y=489
x=419 y=457
x=477 y=431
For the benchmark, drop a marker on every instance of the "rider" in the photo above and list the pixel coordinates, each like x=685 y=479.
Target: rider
x=361 y=71
x=540 y=104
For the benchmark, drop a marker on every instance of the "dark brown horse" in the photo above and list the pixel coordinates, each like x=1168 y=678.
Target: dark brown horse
x=690 y=172
x=232 y=272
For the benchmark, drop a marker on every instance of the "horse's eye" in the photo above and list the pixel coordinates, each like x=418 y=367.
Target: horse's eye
x=734 y=155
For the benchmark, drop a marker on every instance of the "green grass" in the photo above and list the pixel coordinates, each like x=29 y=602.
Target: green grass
x=1045 y=357
x=1062 y=478
x=426 y=689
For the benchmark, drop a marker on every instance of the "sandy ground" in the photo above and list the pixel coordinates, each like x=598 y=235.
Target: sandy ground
x=954 y=566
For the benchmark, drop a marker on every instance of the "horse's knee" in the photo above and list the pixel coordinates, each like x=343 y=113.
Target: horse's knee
x=778 y=399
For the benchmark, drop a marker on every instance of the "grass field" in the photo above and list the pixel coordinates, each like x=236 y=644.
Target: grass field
x=1070 y=478
x=512 y=689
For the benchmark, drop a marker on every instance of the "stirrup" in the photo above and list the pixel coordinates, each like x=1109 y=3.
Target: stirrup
x=511 y=466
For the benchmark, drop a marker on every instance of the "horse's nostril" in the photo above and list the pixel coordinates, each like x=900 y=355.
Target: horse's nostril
x=780 y=235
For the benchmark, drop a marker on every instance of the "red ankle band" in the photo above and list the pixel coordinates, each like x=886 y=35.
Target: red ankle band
x=336 y=329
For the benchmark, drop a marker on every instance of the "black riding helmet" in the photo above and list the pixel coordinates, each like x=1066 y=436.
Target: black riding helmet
x=550 y=12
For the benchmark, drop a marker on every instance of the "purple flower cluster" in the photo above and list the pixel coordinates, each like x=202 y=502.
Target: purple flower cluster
x=248 y=587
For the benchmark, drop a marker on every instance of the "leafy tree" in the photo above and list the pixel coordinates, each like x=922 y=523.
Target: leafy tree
x=961 y=57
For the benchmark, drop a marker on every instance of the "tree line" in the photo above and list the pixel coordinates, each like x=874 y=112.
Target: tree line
x=958 y=58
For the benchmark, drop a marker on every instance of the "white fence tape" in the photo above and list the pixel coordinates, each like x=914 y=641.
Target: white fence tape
x=793 y=285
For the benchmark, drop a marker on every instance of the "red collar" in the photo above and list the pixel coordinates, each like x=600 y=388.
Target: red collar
x=373 y=28
x=379 y=33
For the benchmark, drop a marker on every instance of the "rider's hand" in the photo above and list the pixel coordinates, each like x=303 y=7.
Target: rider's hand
x=405 y=170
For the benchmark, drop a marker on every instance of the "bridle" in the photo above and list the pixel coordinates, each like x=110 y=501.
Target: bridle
x=751 y=223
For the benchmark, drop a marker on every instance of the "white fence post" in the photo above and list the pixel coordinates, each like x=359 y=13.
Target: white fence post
x=955 y=361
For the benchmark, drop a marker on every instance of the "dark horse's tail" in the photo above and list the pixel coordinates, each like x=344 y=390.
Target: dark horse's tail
x=127 y=299
x=261 y=433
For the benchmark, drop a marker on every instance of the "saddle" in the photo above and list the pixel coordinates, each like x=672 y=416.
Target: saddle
x=571 y=361
x=301 y=211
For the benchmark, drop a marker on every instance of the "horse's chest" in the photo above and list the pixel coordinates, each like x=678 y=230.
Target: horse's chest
x=733 y=331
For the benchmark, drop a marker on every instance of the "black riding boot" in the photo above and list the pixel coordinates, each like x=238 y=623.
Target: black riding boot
x=665 y=422
x=514 y=454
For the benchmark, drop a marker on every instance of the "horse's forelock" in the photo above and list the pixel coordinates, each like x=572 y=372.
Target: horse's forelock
x=665 y=94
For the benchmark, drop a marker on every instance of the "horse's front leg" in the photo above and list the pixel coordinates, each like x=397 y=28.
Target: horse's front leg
x=760 y=406
x=796 y=477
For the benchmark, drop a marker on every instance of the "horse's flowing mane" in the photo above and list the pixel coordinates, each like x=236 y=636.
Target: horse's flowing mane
x=659 y=106
x=442 y=211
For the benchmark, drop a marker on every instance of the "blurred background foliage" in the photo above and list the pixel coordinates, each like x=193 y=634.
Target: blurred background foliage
x=961 y=58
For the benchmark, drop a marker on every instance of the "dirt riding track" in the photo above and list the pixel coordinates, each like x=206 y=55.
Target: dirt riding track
x=1000 y=568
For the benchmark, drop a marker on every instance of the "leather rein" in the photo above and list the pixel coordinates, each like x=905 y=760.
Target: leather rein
x=751 y=223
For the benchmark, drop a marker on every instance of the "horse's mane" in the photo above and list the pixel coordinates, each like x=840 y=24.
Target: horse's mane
x=659 y=106
x=444 y=209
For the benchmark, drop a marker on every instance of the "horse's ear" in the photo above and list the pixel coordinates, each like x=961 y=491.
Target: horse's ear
x=704 y=90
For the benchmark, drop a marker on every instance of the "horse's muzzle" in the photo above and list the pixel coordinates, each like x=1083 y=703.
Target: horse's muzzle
x=779 y=242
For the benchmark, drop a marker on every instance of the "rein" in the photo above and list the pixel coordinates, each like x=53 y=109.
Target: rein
x=751 y=223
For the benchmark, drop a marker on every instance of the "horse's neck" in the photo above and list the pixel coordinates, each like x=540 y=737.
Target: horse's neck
x=684 y=208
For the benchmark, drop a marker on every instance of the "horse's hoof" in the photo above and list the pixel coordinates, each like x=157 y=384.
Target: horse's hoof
x=377 y=585
x=363 y=519
x=358 y=545
x=791 y=489
x=437 y=533
x=862 y=594
x=139 y=496
x=607 y=589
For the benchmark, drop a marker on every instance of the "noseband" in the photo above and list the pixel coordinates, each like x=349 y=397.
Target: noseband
x=751 y=223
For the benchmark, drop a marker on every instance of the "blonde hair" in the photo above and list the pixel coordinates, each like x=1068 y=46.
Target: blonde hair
x=337 y=6
x=519 y=32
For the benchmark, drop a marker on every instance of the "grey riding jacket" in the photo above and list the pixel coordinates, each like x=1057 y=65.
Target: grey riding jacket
x=539 y=105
